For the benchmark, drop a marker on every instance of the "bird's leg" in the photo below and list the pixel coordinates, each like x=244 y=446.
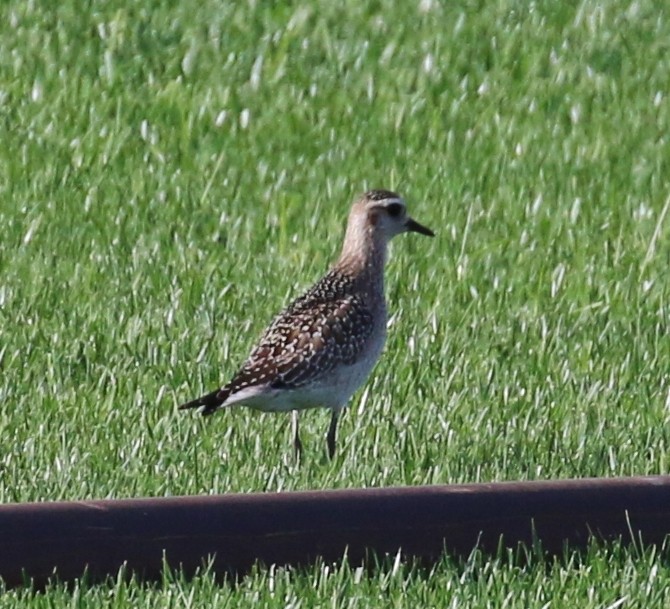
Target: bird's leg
x=332 y=429
x=297 y=444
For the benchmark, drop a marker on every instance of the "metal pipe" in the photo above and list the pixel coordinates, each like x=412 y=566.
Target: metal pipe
x=239 y=530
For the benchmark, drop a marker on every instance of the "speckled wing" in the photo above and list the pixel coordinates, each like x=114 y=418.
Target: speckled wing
x=306 y=341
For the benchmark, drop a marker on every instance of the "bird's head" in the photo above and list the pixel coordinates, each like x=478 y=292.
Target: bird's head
x=385 y=213
x=376 y=217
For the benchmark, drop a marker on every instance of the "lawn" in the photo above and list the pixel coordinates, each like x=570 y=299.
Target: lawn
x=171 y=174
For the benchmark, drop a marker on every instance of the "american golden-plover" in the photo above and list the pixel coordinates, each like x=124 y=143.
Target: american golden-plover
x=322 y=347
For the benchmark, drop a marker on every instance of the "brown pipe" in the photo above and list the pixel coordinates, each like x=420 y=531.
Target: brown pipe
x=298 y=527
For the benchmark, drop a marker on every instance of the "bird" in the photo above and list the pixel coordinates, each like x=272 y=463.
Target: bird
x=322 y=347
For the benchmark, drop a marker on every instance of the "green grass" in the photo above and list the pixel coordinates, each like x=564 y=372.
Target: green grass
x=172 y=173
x=604 y=579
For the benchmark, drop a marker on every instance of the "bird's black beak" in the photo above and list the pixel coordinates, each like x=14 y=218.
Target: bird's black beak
x=414 y=227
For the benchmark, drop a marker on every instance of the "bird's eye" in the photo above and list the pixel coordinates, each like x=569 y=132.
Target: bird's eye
x=394 y=210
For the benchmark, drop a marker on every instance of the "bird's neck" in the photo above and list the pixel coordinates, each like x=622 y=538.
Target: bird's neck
x=363 y=257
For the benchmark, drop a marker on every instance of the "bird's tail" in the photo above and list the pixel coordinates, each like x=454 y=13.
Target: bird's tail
x=211 y=401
